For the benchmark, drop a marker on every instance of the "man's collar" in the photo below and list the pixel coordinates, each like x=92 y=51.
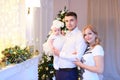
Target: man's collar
x=74 y=30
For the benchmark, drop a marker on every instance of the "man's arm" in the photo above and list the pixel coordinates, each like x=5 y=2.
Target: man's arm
x=80 y=47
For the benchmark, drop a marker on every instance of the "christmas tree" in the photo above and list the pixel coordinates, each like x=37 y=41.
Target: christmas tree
x=45 y=68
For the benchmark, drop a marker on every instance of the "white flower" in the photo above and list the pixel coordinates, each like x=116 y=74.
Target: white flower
x=58 y=18
x=62 y=12
x=48 y=58
x=57 y=24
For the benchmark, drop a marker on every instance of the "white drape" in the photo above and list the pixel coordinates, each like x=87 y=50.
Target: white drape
x=46 y=18
x=12 y=24
x=19 y=28
x=105 y=16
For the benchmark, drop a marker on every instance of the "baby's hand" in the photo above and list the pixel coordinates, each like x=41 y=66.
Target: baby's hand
x=74 y=53
x=53 y=48
x=56 y=52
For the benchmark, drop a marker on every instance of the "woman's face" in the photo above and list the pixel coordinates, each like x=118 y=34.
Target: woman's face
x=89 y=36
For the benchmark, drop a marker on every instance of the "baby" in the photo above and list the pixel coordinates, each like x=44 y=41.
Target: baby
x=55 y=40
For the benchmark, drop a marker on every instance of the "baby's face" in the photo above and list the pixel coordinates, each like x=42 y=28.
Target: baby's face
x=56 y=31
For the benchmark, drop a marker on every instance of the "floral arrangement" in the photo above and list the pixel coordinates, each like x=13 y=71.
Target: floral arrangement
x=14 y=55
x=61 y=16
x=45 y=69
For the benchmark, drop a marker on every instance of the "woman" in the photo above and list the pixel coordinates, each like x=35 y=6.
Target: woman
x=93 y=59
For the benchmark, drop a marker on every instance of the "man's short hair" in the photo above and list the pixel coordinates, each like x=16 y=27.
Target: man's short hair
x=71 y=14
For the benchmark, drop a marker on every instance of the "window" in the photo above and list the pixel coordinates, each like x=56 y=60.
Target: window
x=12 y=24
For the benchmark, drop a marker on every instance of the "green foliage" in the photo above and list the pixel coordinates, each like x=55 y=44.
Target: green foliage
x=15 y=55
x=45 y=68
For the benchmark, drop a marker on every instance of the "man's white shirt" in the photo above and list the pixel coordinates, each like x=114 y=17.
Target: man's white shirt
x=74 y=42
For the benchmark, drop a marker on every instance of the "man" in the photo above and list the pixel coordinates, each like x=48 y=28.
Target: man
x=74 y=42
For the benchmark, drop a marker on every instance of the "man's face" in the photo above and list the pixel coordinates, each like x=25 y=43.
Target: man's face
x=71 y=22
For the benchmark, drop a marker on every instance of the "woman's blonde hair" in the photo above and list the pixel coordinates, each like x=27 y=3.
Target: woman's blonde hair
x=97 y=40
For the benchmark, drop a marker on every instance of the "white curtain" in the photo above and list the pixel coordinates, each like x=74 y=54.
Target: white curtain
x=17 y=27
x=46 y=18
x=105 y=16
x=12 y=24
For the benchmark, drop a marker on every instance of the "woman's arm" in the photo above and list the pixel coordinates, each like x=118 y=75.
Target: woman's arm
x=99 y=65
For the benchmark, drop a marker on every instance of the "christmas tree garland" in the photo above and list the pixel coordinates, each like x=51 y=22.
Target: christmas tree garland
x=45 y=68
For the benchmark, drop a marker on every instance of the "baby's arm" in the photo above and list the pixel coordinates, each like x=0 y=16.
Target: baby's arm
x=51 y=44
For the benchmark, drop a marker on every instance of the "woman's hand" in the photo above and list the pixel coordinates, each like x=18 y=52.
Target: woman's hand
x=77 y=62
